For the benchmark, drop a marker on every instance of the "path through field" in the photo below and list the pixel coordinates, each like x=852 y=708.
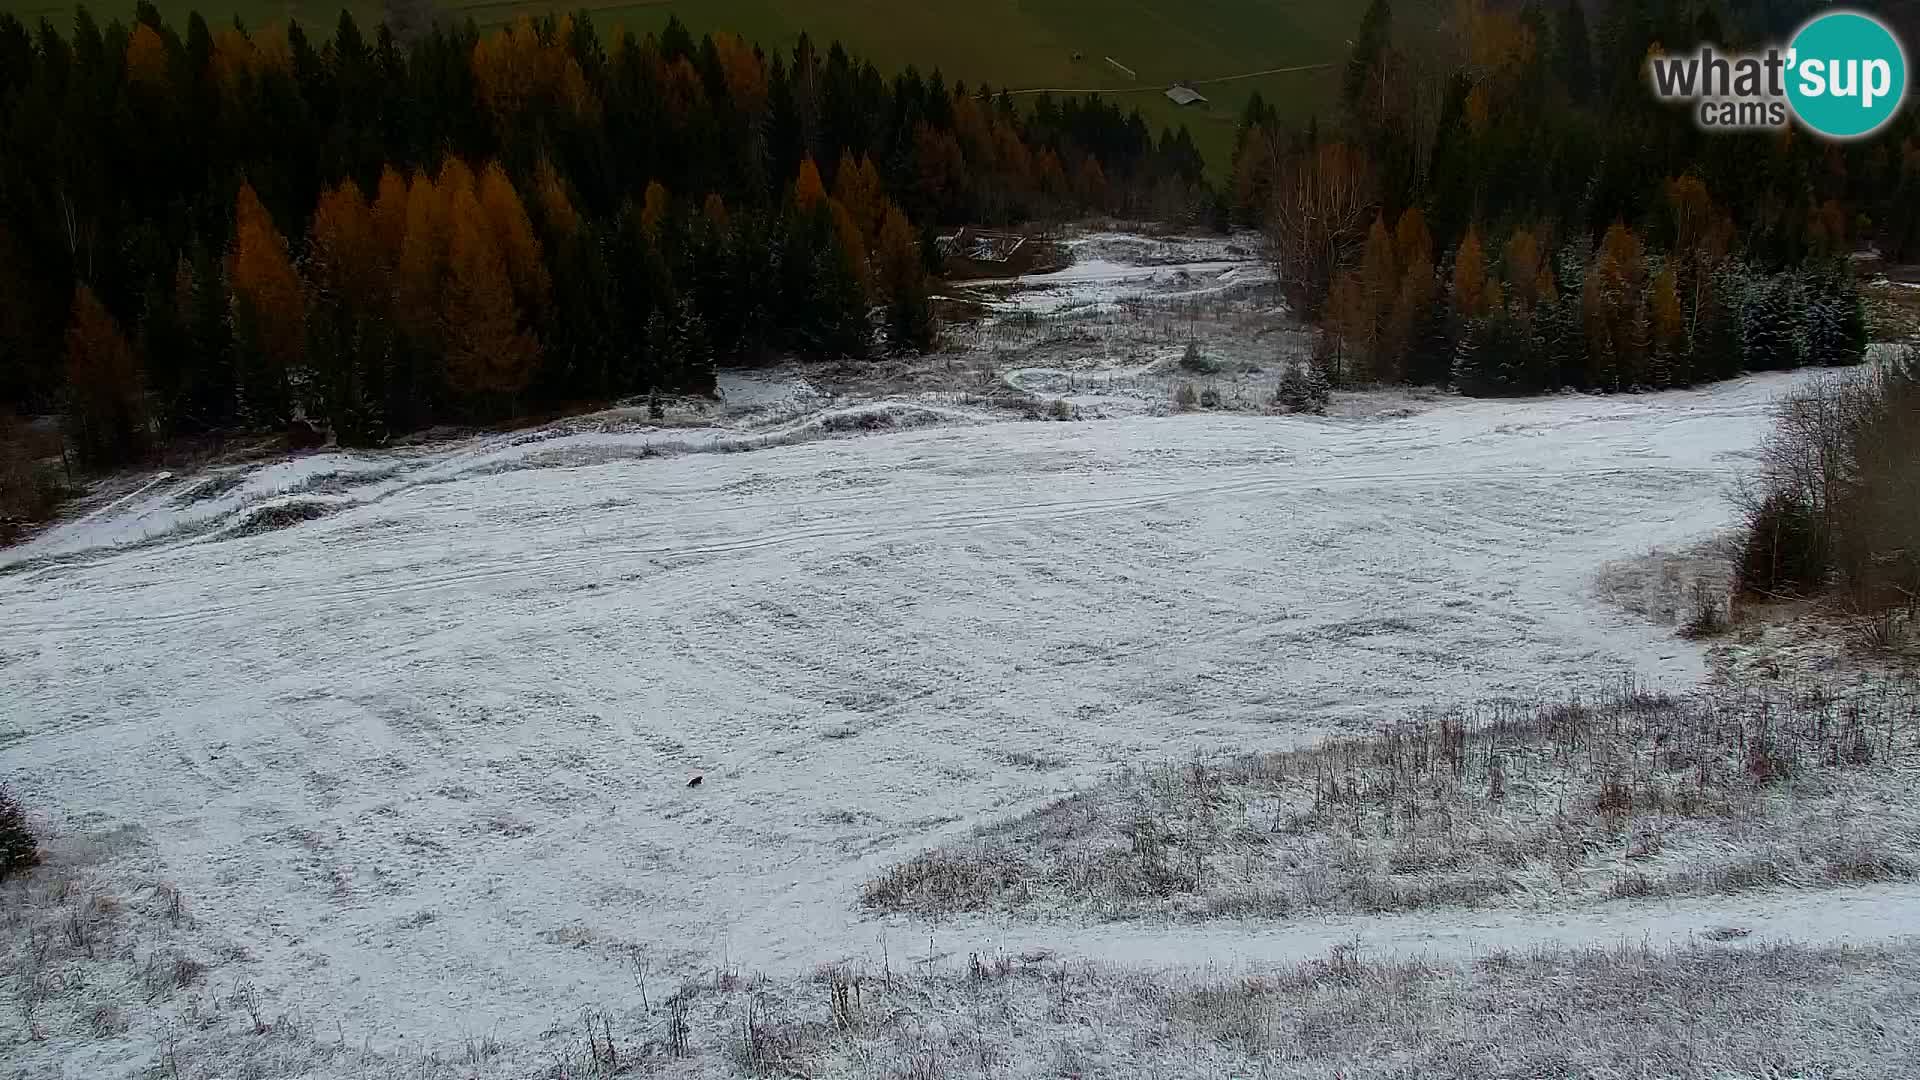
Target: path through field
x=426 y=757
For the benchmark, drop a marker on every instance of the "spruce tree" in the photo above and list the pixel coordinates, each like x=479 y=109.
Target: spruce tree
x=1467 y=375
x=1371 y=40
x=1575 y=48
x=1767 y=331
x=690 y=349
x=1853 y=324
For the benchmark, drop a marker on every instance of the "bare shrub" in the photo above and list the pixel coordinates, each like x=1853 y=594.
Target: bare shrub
x=106 y=1021
x=937 y=882
x=844 y=1000
x=1767 y=761
x=1322 y=202
x=1834 y=495
x=172 y=904
x=1706 y=611
x=19 y=849
x=759 y=1047
x=677 y=1027
x=187 y=971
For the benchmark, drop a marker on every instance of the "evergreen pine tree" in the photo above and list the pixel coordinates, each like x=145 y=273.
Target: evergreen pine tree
x=1822 y=327
x=690 y=349
x=1466 y=375
x=656 y=360
x=1575 y=46
x=1543 y=360
x=1853 y=324
x=1717 y=344
x=1371 y=40
x=1767 y=328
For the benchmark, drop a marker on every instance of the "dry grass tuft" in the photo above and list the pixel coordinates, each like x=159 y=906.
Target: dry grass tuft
x=1635 y=794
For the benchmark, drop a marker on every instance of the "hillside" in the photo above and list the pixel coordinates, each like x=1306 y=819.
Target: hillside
x=1011 y=43
x=406 y=738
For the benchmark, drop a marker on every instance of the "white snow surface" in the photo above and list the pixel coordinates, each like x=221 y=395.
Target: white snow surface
x=1109 y=268
x=425 y=757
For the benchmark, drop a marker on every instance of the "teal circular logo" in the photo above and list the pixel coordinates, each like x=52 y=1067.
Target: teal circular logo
x=1846 y=74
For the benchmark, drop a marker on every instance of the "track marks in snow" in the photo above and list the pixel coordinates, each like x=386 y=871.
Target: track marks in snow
x=483 y=696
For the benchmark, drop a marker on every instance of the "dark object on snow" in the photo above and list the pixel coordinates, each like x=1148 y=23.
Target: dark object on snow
x=695 y=782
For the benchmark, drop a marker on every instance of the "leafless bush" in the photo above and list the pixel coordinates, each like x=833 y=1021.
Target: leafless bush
x=843 y=1000
x=677 y=1029
x=1707 y=611
x=172 y=905
x=946 y=880
x=246 y=998
x=759 y=1048
x=1834 y=495
x=19 y=849
x=1322 y=202
x=187 y=971
x=602 y=1055
x=107 y=1021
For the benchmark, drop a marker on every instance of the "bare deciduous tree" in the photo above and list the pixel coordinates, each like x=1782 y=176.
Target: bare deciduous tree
x=1322 y=203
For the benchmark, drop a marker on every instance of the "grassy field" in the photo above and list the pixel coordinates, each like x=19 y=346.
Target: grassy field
x=1005 y=43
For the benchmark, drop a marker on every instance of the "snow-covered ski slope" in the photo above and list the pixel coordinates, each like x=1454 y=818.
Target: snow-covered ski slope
x=425 y=757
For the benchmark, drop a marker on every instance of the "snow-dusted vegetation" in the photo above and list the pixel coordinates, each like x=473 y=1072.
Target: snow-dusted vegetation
x=1164 y=741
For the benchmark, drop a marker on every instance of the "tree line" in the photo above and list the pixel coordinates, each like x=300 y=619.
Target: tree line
x=219 y=228
x=1503 y=206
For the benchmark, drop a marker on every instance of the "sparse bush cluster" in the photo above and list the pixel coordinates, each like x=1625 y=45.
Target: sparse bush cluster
x=1834 y=500
x=1635 y=794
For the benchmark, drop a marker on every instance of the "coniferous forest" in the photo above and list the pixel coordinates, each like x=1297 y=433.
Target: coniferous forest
x=210 y=227
x=1504 y=207
x=206 y=228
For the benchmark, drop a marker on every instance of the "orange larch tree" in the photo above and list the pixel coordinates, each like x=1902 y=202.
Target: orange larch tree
x=1470 y=276
x=106 y=408
x=808 y=191
x=268 y=310
x=489 y=356
x=512 y=232
x=421 y=270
